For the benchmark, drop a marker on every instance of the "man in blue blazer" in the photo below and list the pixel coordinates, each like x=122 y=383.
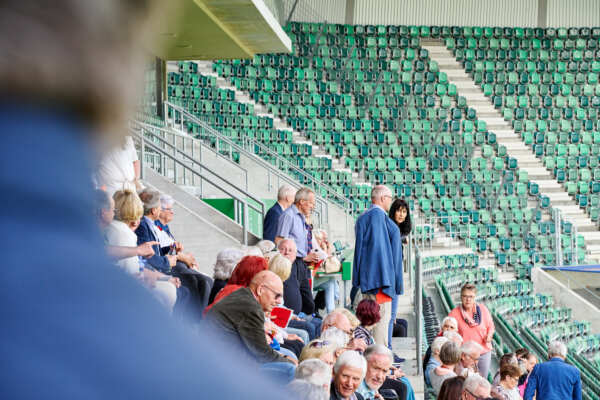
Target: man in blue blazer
x=377 y=268
x=285 y=198
x=174 y=264
x=554 y=379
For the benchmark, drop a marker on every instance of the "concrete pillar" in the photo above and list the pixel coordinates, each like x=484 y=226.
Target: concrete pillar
x=542 y=15
x=160 y=70
x=349 y=15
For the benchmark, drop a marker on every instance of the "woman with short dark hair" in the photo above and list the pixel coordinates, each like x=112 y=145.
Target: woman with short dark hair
x=400 y=214
x=368 y=314
x=452 y=389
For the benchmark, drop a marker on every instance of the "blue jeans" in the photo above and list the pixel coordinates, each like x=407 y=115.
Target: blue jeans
x=300 y=332
x=392 y=320
x=330 y=286
x=281 y=372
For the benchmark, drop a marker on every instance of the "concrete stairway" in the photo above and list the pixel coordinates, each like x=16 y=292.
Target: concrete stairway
x=515 y=147
x=205 y=68
x=202 y=229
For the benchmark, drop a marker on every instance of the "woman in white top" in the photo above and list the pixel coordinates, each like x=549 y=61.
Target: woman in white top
x=120 y=232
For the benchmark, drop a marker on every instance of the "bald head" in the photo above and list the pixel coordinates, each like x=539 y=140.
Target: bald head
x=381 y=196
x=268 y=289
x=287 y=248
x=337 y=319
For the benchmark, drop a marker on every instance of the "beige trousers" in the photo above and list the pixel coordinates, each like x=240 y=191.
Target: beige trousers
x=381 y=329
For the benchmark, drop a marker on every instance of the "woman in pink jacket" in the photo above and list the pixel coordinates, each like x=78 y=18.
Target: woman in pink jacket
x=475 y=323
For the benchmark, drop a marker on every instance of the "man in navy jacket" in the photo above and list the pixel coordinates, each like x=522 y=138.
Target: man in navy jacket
x=285 y=198
x=174 y=264
x=554 y=379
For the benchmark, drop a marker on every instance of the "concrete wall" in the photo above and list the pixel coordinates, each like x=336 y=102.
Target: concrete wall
x=455 y=12
x=545 y=283
x=573 y=13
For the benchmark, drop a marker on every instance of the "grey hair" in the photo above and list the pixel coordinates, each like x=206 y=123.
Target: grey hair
x=437 y=344
x=303 y=194
x=473 y=381
x=378 y=349
x=304 y=390
x=470 y=347
x=450 y=353
x=252 y=251
x=451 y=319
x=453 y=336
x=351 y=359
x=265 y=246
x=280 y=266
x=227 y=259
x=151 y=199
x=314 y=371
x=286 y=240
x=380 y=190
x=557 y=348
x=166 y=201
x=101 y=202
x=337 y=337
x=285 y=191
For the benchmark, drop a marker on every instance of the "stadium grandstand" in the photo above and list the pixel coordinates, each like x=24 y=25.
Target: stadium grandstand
x=243 y=195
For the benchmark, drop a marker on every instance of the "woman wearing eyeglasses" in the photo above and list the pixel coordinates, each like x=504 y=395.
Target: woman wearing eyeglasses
x=507 y=387
x=475 y=323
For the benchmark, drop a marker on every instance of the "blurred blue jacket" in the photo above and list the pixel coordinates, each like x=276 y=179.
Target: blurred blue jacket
x=73 y=326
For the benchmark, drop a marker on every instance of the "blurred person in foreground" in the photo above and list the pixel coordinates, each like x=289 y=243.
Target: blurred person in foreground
x=68 y=72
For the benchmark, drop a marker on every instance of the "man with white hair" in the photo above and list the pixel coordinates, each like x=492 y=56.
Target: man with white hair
x=377 y=267
x=285 y=198
x=349 y=370
x=554 y=379
x=434 y=360
x=316 y=372
x=470 y=353
x=475 y=387
x=379 y=361
x=304 y=390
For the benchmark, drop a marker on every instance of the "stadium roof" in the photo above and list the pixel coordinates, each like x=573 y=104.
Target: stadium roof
x=210 y=29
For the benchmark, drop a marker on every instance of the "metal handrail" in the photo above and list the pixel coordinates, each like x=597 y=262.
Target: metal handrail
x=201 y=173
x=345 y=201
x=184 y=137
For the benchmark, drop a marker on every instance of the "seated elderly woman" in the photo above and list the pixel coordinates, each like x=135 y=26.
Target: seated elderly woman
x=227 y=259
x=316 y=372
x=304 y=390
x=241 y=277
x=367 y=312
x=120 y=232
x=434 y=360
x=348 y=372
x=449 y=356
x=321 y=349
x=449 y=324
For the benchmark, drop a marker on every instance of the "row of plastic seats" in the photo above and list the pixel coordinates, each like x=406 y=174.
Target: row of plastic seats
x=511 y=46
x=523 y=78
x=540 y=67
x=517 y=304
x=564 y=330
x=444 y=31
x=538 y=318
x=435 y=265
x=454 y=280
x=262 y=135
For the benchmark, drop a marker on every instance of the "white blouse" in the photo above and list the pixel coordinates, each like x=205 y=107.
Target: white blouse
x=119 y=234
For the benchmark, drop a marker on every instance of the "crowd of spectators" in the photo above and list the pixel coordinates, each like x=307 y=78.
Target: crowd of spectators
x=333 y=355
x=457 y=364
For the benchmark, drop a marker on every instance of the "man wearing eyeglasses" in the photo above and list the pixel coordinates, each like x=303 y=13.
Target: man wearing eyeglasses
x=476 y=388
x=240 y=319
x=377 y=268
x=470 y=354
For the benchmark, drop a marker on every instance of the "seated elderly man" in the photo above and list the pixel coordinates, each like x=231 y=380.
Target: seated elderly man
x=379 y=363
x=316 y=372
x=297 y=294
x=339 y=320
x=434 y=360
x=178 y=264
x=227 y=259
x=240 y=320
x=475 y=387
x=470 y=352
x=348 y=372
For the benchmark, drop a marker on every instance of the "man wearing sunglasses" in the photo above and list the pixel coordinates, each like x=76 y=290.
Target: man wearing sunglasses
x=240 y=319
